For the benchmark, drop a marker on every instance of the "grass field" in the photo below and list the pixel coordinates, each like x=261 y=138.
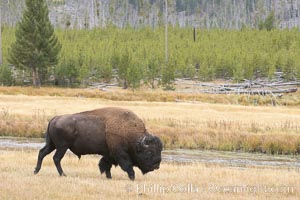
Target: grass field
x=201 y=121
x=201 y=125
x=157 y=95
x=171 y=181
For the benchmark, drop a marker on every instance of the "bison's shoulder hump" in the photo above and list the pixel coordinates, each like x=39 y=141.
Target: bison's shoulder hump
x=119 y=121
x=125 y=123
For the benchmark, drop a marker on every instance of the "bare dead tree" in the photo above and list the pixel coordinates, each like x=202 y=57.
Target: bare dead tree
x=0 y=34
x=166 y=32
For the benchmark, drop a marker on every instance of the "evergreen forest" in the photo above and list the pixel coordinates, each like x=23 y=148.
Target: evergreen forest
x=137 y=56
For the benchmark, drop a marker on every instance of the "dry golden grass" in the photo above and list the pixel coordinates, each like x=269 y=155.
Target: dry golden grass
x=180 y=125
x=156 y=95
x=171 y=181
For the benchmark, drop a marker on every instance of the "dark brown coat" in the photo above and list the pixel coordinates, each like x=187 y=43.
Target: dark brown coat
x=117 y=134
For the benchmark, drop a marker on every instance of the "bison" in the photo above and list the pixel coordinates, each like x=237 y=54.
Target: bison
x=117 y=134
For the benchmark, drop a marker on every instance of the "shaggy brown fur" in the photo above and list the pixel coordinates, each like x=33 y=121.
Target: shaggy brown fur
x=121 y=125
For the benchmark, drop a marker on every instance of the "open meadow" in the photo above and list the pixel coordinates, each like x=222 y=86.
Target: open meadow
x=200 y=122
x=171 y=181
x=190 y=124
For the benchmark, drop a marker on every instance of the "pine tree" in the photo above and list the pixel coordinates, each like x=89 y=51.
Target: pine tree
x=0 y=37
x=36 y=46
x=6 y=76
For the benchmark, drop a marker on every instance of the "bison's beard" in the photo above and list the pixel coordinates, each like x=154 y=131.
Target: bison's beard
x=149 y=168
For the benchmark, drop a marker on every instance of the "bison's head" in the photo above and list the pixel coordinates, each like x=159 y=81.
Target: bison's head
x=148 y=153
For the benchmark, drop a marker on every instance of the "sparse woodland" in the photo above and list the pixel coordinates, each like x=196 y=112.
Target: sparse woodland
x=138 y=54
x=125 y=41
x=225 y=14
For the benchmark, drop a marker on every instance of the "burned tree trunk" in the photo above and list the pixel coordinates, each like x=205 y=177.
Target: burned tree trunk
x=0 y=37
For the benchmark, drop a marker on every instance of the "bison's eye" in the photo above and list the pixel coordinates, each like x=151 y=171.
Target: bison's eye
x=149 y=153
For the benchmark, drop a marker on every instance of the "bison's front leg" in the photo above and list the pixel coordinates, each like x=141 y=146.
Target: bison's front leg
x=125 y=163
x=129 y=169
x=105 y=166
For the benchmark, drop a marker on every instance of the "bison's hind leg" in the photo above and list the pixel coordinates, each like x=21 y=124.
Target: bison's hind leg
x=48 y=148
x=59 y=154
x=105 y=166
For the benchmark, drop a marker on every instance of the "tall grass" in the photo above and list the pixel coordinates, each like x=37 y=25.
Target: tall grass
x=156 y=96
x=274 y=130
x=84 y=181
x=33 y=125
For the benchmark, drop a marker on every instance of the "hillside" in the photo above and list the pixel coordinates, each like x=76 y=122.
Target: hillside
x=232 y=14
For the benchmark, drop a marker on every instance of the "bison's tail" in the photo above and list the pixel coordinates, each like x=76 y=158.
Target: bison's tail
x=47 y=134
x=47 y=137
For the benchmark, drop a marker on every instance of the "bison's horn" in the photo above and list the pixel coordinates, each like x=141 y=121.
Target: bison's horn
x=143 y=142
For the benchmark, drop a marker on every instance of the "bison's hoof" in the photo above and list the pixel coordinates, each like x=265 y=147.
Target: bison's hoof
x=63 y=174
x=108 y=177
x=131 y=178
x=108 y=174
x=36 y=171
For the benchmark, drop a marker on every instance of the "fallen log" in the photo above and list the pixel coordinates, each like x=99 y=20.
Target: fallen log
x=101 y=86
x=251 y=92
x=265 y=92
x=284 y=84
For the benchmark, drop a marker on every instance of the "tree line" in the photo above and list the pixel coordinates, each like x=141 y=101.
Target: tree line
x=137 y=56
x=225 y=14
